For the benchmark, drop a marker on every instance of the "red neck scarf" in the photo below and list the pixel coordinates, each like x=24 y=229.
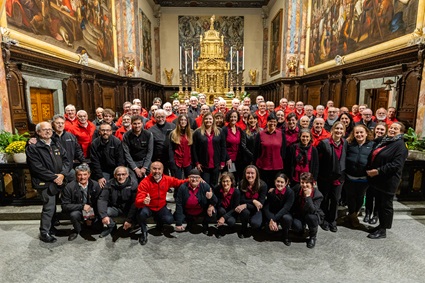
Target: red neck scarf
x=250 y=194
x=225 y=202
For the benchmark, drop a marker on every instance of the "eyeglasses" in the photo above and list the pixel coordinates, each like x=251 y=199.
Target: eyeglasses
x=121 y=174
x=46 y=130
x=194 y=177
x=105 y=130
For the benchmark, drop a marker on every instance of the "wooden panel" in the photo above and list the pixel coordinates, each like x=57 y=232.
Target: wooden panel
x=313 y=95
x=71 y=93
x=408 y=99
x=41 y=105
x=108 y=97
x=352 y=92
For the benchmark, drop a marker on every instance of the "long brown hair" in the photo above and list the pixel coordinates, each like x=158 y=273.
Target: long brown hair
x=177 y=132
x=244 y=183
x=369 y=134
x=215 y=129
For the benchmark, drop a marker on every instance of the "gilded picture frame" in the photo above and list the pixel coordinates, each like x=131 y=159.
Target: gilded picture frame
x=275 y=56
x=145 y=35
x=81 y=32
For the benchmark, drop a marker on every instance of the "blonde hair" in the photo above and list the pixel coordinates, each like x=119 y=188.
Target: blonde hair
x=215 y=129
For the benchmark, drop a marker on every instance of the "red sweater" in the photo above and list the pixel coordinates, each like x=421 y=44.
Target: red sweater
x=262 y=120
x=156 y=191
x=84 y=136
x=318 y=137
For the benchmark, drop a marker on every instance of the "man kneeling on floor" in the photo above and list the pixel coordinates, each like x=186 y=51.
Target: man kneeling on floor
x=117 y=198
x=79 y=200
x=151 y=198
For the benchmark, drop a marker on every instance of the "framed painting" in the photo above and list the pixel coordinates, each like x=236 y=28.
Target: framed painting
x=357 y=29
x=275 y=57
x=66 y=29
x=145 y=33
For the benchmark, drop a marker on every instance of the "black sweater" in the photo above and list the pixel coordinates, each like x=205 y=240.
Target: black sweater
x=234 y=201
x=249 y=201
x=330 y=168
x=106 y=156
x=311 y=204
x=277 y=206
x=357 y=158
x=200 y=149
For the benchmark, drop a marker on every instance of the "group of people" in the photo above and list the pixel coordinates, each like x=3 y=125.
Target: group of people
x=267 y=166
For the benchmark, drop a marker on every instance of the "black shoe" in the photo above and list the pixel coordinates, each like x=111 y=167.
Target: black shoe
x=47 y=238
x=333 y=228
x=107 y=231
x=366 y=218
x=53 y=231
x=325 y=226
x=379 y=234
x=241 y=235
x=73 y=236
x=143 y=238
x=311 y=242
x=287 y=242
x=373 y=220
x=205 y=228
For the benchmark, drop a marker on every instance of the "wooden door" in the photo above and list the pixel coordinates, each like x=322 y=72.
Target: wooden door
x=41 y=104
x=379 y=98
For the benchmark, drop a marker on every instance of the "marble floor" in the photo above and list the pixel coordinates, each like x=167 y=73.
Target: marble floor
x=345 y=256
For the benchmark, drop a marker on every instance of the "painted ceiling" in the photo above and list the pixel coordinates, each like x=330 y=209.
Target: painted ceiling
x=213 y=3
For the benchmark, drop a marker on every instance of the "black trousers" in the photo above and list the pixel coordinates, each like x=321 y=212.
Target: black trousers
x=162 y=216
x=331 y=195
x=355 y=192
x=371 y=207
x=311 y=220
x=49 y=209
x=231 y=221
x=384 y=202
x=210 y=176
x=253 y=217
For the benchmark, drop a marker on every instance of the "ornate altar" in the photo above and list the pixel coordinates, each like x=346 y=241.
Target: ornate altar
x=211 y=69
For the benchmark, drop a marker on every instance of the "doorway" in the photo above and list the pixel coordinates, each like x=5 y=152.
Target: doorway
x=41 y=105
x=378 y=97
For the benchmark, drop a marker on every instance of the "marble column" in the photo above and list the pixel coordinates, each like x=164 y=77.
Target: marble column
x=5 y=121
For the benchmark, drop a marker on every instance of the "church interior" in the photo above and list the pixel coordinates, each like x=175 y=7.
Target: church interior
x=100 y=53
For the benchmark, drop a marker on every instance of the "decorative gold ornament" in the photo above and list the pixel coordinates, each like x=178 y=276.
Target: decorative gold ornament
x=129 y=64
x=253 y=76
x=168 y=75
x=292 y=65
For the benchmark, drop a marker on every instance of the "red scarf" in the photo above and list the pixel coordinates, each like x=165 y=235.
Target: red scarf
x=225 y=202
x=280 y=193
x=250 y=194
x=303 y=198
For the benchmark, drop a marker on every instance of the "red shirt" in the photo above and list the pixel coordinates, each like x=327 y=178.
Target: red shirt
x=182 y=154
x=171 y=118
x=271 y=144
x=198 y=120
x=150 y=123
x=210 y=149
x=192 y=204
x=291 y=136
x=84 y=135
x=70 y=123
x=157 y=191
x=262 y=119
x=233 y=141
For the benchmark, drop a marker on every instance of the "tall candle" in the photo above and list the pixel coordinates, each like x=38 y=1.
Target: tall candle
x=237 y=62
x=231 y=58
x=243 y=58
x=185 y=62
x=192 y=58
x=180 y=58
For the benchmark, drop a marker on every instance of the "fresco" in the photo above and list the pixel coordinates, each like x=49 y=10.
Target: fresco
x=81 y=26
x=145 y=33
x=340 y=27
x=191 y=27
x=275 y=44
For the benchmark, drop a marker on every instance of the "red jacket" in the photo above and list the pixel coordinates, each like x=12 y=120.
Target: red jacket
x=120 y=132
x=84 y=136
x=171 y=118
x=69 y=123
x=262 y=120
x=318 y=137
x=150 y=123
x=156 y=191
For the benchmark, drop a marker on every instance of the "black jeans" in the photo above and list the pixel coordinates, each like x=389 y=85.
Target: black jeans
x=384 y=202
x=162 y=216
x=331 y=195
x=49 y=209
x=355 y=192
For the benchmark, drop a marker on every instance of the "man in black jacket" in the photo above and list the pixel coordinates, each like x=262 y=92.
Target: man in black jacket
x=106 y=154
x=117 y=198
x=48 y=164
x=79 y=200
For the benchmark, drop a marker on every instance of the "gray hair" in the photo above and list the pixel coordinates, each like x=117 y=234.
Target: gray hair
x=83 y=167
x=70 y=106
x=58 y=116
x=120 y=167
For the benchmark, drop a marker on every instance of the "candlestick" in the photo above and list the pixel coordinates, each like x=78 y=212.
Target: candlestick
x=180 y=58
x=237 y=61
x=231 y=58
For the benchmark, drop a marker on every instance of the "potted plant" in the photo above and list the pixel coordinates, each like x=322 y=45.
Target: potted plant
x=415 y=145
x=17 y=148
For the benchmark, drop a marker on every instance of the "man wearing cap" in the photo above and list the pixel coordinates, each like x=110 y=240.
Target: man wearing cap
x=195 y=199
x=151 y=198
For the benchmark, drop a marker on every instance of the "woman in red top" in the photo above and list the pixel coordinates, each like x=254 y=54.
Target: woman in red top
x=292 y=129
x=270 y=150
x=235 y=144
x=180 y=148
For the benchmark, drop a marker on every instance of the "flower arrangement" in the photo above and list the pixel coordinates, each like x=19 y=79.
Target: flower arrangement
x=16 y=147
x=7 y=138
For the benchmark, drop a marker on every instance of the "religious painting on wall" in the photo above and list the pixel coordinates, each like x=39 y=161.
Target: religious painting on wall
x=275 y=44
x=145 y=33
x=83 y=27
x=192 y=27
x=343 y=27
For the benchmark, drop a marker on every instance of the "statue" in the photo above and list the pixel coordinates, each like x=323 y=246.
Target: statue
x=129 y=66
x=212 y=19
x=253 y=76
x=169 y=75
x=292 y=65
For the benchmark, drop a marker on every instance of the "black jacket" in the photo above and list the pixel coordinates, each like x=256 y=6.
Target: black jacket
x=250 y=145
x=71 y=145
x=249 y=201
x=357 y=158
x=291 y=161
x=45 y=162
x=390 y=162
x=117 y=195
x=330 y=168
x=106 y=156
x=72 y=196
x=183 y=196
x=277 y=206
x=160 y=134
x=234 y=201
x=200 y=149
x=138 y=150
x=311 y=204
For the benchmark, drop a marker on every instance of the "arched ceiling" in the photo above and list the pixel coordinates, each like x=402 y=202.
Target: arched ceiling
x=213 y=3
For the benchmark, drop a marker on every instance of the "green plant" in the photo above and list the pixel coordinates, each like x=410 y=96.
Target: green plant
x=244 y=94
x=175 y=96
x=412 y=140
x=7 y=138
